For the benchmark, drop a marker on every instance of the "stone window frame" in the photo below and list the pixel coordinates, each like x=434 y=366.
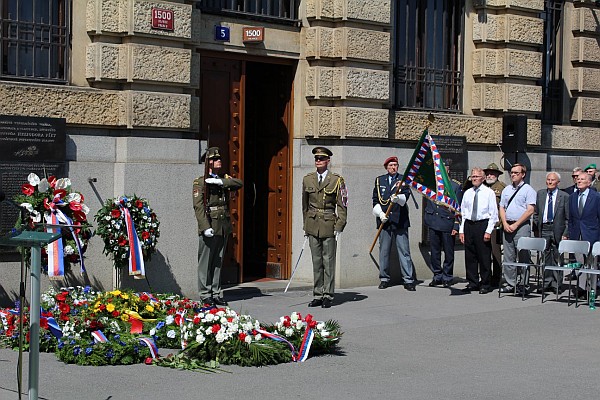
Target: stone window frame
x=275 y=11
x=552 y=74
x=35 y=40
x=428 y=43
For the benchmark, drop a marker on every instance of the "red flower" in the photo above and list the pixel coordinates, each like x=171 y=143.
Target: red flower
x=308 y=318
x=145 y=235
x=61 y=193
x=27 y=189
x=144 y=297
x=139 y=204
x=215 y=328
x=75 y=206
x=115 y=313
x=178 y=319
x=312 y=324
x=82 y=198
x=62 y=296
x=52 y=181
x=44 y=323
x=64 y=317
x=148 y=361
x=286 y=323
x=79 y=215
x=46 y=204
x=102 y=307
x=64 y=308
x=115 y=213
x=242 y=336
x=196 y=320
x=122 y=241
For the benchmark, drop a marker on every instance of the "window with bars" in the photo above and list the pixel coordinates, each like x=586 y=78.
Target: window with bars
x=552 y=79
x=427 y=54
x=282 y=11
x=34 y=39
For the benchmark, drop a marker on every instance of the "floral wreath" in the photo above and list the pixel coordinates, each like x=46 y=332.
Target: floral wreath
x=130 y=231
x=52 y=201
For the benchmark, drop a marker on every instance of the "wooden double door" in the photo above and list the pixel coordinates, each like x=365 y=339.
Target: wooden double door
x=246 y=110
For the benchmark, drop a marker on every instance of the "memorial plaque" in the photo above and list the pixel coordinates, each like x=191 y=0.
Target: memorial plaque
x=32 y=139
x=454 y=148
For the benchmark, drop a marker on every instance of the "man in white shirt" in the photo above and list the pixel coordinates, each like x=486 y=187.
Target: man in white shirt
x=480 y=214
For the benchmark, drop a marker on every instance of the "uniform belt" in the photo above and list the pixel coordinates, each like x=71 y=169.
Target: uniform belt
x=216 y=208
x=323 y=210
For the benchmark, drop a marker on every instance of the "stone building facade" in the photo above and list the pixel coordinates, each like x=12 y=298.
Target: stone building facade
x=141 y=103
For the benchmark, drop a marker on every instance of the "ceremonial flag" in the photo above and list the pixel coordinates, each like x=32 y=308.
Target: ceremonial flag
x=427 y=174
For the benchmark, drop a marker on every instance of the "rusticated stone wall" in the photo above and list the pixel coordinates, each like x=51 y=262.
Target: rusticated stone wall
x=347 y=51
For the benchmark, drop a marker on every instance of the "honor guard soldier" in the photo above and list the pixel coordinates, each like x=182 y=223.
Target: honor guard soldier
x=324 y=209
x=211 y=199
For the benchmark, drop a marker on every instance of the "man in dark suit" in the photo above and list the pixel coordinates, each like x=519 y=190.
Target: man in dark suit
x=570 y=189
x=584 y=218
x=551 y=216
x=395 y=224
x=443 y=226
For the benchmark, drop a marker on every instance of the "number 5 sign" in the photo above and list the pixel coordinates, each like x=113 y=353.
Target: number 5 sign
x=254 y=34
x=222 y=33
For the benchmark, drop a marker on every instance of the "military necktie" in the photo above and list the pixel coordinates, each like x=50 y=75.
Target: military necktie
x=474 y=212
x=550 y=213
x=320 y=179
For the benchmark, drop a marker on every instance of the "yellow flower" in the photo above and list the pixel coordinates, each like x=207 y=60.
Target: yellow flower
x=115 y=292
x=149 y=308
x=124 y=296
x=125 y=317
x=110 y=307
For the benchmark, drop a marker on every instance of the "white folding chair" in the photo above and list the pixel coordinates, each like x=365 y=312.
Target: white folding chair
x=531 y=245
x=592 y=270
x=565 y=247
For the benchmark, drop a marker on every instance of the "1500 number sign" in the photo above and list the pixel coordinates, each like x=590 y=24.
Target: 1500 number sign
x=253 y=34
x=162 y=19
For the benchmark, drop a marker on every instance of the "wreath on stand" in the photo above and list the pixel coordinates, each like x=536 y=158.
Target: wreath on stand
x=130 y=231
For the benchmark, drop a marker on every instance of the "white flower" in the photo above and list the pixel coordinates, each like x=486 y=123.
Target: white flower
x=36 y=216
x=152 y=331
x=200 y=339
x=169 y=320
x=299 y=324
x=171 y=334
x=294 y=316
x=124 y=256
x=62 y=183
x=27 y=206
x=76 y=197
x=320 y=325
x=209 y=317
x=33 y=179
x=289 y=332
x=324 y=333
x=68 y=250
x=43 y=186
x=248 y=339
x=208 y=330
x=107 y=218
x=85 y=209
x=220 y=337
x=115 y=326
x=258 y=336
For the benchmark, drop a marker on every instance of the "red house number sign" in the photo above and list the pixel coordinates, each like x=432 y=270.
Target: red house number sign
x=162 y=19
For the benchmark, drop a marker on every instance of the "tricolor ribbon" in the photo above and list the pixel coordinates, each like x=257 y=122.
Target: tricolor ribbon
x=151 y=346
x=54 y=328
x=99 y=337
x=281 y=339
x=56 y=262
x=182 y=321
x=62 y=218
x=151 y=297
x=136 y=258
x=309 y=335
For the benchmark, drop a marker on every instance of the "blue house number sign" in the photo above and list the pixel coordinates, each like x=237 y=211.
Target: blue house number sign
x=222 y=33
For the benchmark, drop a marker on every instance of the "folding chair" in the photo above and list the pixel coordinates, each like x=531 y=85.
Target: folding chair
x=565 y=247
x=529 y=244
x=592 y=271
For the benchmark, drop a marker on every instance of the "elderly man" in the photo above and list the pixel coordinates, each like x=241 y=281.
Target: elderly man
x=517 y=205
x=570 y=189
x=492 y=173
x=480 y=215
x=551 y=217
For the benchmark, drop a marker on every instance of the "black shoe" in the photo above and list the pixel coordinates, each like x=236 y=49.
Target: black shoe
x=383 y=285
x=316 y=303
x=522 y=290
x=448 y=284
x=484 y=290
x=435 y=282
x=506 y=289
x=579 y=292
x=209 y=301
x=326 y=303
x=410 y=287
x=466 y=290
x=219 y=301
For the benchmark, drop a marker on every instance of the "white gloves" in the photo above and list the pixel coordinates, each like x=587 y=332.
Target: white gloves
x=214 y=181
x=209 y=232
x=378 y=213
x=401 y=200
x=337 y=235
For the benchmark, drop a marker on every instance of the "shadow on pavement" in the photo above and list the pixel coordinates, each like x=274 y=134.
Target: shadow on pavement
x=245 y=293
x=348 y=297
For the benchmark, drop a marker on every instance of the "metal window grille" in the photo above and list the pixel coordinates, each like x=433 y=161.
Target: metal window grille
x=552 y=80
x=427 y=58
x=282 y=11
x=34 y=39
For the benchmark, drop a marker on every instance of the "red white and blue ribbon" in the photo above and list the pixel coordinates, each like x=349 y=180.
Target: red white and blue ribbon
x=56 y=262
x=309 y=335
x=136 y=258
x=281 y=339
x=62 y=218
x=151 y=345
x=54 y=328
x=99 y=337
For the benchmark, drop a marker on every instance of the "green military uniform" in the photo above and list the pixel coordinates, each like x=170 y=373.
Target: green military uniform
x=496 y=238
x=324 y=214
x=212 y=215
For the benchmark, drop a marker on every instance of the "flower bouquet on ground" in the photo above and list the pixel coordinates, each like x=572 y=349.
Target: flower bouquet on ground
x=52 y=201
x=130 y=231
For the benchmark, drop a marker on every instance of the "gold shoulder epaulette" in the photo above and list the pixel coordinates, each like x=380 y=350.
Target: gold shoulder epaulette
x=455 y=181
x=197 y=181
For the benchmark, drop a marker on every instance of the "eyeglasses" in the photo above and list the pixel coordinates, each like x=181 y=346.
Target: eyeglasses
x=321 y=158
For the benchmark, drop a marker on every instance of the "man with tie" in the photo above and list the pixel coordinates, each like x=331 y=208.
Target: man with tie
x=517 y=205
x=584 y=217
x=324 y=210
x=550 y=218
x=389 y=192
x=480 y=215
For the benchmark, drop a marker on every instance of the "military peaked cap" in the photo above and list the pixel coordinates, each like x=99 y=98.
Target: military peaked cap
x=322 y=151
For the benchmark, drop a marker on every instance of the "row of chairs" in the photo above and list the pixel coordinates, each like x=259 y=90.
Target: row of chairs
x=567 y=249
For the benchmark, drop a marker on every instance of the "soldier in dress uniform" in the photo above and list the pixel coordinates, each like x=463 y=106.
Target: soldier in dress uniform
x=324 y=208
x=492 y=172
x=211 y=199
x=443 y=226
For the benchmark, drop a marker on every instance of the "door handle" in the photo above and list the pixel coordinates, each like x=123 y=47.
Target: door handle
x=254 y=201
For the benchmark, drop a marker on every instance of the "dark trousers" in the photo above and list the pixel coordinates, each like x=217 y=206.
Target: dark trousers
x=551 y=278
x=478 y=255
x=441 y=241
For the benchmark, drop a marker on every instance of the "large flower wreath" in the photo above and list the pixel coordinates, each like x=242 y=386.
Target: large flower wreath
x=52 y=201
x=130 y=231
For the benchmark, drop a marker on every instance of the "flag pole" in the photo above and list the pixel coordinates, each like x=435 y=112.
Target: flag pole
x=430 y=119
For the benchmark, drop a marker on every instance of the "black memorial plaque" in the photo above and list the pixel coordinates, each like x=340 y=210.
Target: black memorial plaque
x=454 y=148
x=32 y=139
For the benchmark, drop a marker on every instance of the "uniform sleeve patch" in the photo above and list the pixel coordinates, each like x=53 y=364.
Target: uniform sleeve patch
x=196 y=192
